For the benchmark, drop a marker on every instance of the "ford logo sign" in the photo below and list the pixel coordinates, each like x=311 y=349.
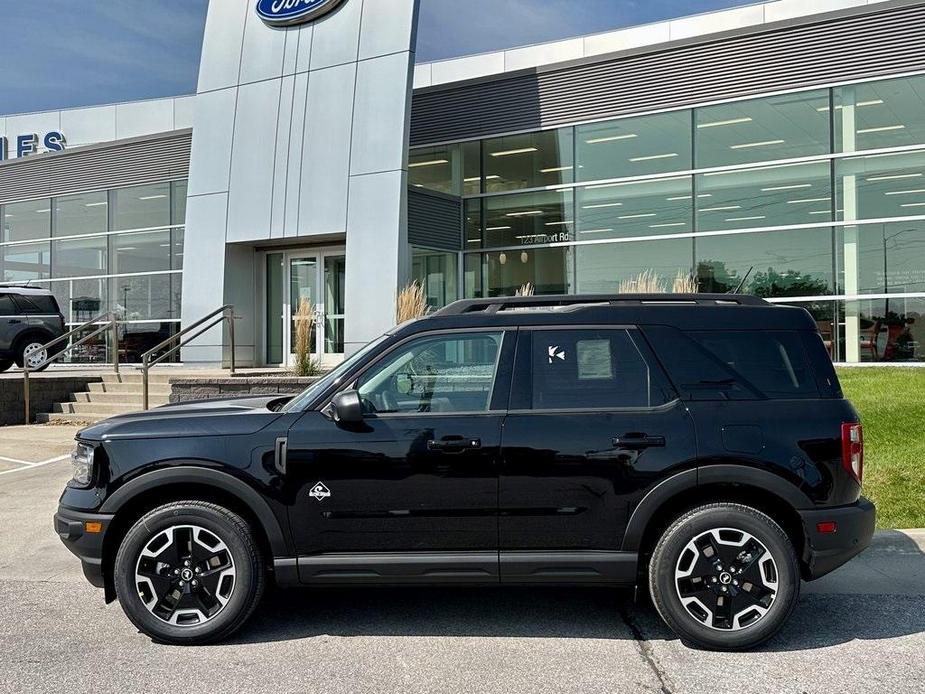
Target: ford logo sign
x=282 y=13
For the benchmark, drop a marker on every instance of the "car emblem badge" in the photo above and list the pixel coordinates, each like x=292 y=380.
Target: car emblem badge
x=319 y=491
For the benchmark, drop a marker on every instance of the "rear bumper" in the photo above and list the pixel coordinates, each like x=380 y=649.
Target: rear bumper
x=825 y=552
x=71 y=527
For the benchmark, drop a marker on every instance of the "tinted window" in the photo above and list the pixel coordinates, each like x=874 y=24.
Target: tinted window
x=774 y=362
x=444 y=373
x=37 y=304
x=7 y=307
x=587 y=369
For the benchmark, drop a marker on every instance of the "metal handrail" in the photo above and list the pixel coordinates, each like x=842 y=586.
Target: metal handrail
x=227 y=314
x=109 y=320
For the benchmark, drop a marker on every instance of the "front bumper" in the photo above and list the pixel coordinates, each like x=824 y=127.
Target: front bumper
x=71 y=527
x=825 y=552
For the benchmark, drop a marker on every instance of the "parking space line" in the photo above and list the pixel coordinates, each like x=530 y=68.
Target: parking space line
x=31 y=466
x=4 y=459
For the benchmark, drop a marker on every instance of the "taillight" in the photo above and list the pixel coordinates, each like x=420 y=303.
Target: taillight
x=852 y=450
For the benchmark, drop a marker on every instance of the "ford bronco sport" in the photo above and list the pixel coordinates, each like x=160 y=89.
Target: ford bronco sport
x=29 y=319
x=696 y=446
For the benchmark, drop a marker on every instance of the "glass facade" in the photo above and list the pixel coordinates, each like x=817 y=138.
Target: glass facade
x=815 y=198
x=112 y=250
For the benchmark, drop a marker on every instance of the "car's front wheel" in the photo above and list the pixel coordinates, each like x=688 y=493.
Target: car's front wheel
x=189 y=572
x=724 y=576
x=32 y=353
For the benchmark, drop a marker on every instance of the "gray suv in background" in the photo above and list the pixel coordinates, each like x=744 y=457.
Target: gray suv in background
x=29 y=319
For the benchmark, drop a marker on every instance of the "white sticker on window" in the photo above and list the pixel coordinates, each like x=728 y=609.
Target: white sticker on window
x=555 y=353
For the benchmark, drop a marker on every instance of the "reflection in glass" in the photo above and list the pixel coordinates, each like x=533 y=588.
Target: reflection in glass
x=435 y=168
x=86 y=213
x=23 y=221
x=27 y=261
x=178 y=190
x=777 y=127
x=140 y=207
x=79 y=257
x=887 y=113
x=634 y=146
x=437 y=274
x=765 y=196
x=144 y=251
x=335 y=293
x=889 y=329
x=274 y=294
x=601 y=268
x=526 y=218
x=643 y=208
x=528 y=161
x=777 y=263
x=547 y=269
x=472 y=269
x=143 y=297
x=878 y=186
x=890 y=257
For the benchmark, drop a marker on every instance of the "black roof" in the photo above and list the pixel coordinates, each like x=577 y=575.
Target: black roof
x=684 y=311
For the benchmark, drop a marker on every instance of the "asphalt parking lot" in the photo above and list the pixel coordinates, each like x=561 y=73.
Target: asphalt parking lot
x=860 y=629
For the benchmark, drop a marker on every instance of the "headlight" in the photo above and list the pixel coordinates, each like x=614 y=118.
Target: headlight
x=82 y=464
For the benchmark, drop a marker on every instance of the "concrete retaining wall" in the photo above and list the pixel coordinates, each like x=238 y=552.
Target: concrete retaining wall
x=184 y=389
x=44 y=392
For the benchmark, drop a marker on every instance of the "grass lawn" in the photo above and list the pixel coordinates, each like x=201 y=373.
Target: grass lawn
x=891 y=402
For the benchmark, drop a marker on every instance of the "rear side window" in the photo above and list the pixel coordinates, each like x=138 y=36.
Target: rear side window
x=37 y=304
x=585 y=369
x=7 y=307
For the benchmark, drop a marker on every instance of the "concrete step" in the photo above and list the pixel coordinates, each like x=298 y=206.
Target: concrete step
x=131 y=397
x=133 y=376
x=61 y=418
x=97 y=409
x=153 y=388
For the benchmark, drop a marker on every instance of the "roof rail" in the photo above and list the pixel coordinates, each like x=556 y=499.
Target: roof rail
x=508 y=303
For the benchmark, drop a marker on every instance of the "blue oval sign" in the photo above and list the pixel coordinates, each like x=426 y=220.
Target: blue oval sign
x=288 y=12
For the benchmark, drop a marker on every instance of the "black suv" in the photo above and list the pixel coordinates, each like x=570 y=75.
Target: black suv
x=29 y=319
x=698 y=446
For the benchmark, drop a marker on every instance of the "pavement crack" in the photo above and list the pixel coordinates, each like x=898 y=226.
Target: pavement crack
x=644 y=646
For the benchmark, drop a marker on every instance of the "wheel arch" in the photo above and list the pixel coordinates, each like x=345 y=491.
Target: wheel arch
x=42 y=335
x=152 y=489
x=760 y=489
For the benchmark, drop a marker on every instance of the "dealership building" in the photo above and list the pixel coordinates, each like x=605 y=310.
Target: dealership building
x=778 y=148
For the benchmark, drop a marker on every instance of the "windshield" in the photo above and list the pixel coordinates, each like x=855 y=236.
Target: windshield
x=300 y=401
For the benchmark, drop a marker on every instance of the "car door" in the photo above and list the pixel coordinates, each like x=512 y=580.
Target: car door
x=10 y=322
x=593 y=424
x=417 y=479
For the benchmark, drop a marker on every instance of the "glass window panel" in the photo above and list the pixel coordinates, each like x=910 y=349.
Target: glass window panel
x=528 y=161
x=547 y=269
x=777 y=127
x=634 y=146
x=473 y=223
x=81 y=214
x=143 y=297
x=141 y=207
x=889 y=330
x=81 y=299
x=274 y=308
x=473 y=275
x=24 y=221
x=146 y=251
x=778 y=263
x=178 y=191
x=176 y=249
x=878 y=186
x=526 y=218
x=436 y=168
x=643 y=208
x=890 y=113
x=79 y=257
x=472 y=167
x=612 y=267
x=437 y=274
x=890 y=257
x=765 y=196
x=27 y=261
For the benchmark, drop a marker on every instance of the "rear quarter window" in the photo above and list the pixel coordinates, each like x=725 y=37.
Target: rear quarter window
x=37 y=304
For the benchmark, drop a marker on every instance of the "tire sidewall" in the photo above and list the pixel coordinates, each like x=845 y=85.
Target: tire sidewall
x=668 y=551
x=246 y=586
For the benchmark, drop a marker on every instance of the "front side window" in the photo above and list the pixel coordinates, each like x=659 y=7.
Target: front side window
x=590 y=369
x=443 y=373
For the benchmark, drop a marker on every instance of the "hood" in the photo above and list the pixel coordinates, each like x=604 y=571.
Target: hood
x=217 y=417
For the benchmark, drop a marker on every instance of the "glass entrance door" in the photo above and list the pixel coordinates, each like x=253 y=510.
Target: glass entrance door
x=315 y=279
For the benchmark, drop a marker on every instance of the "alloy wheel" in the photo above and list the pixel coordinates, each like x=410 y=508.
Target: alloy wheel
x=726 y=579
x=185 y=575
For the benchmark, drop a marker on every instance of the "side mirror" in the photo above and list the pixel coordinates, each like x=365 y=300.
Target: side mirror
x=347 y=407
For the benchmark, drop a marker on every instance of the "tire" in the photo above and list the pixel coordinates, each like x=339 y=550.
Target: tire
x=31 y=349
x=724 y=546
x=5 y=364
x=224 y=579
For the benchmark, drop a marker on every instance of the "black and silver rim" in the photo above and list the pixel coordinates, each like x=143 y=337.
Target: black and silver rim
x=34 y=354
x=185 y=575
x=726 y=579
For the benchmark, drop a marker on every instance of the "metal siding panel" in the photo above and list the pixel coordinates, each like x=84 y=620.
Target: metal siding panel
x=846 y=48
x=434 y=221
x=97 y=168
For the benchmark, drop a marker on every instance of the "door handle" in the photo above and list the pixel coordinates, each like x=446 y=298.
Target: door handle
x=634 y=440
x=454 y=445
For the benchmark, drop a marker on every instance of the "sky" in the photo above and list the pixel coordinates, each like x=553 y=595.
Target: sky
x=68 y=53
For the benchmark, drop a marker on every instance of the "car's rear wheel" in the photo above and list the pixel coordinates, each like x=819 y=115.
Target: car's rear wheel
x=189 y=572
x=724 y=576
x=5 y=364
x=31 y=354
